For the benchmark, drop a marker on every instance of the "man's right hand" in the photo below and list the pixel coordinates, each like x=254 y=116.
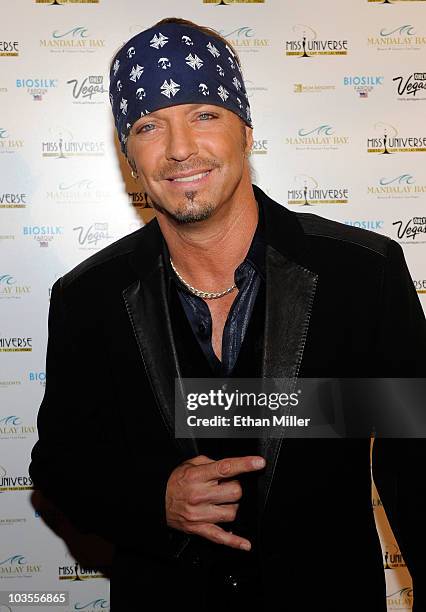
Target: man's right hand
x=202 y=492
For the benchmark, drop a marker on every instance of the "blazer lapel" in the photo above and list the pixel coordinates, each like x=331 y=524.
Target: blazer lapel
x=290 y=291
x=147 y=306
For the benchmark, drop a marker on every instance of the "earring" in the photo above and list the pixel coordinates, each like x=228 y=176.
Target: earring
x=134 y=175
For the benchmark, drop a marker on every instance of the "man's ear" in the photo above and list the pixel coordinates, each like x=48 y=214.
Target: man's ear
x=131 y=164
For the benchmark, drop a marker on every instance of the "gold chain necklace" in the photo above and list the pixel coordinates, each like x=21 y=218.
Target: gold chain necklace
x=208 y=295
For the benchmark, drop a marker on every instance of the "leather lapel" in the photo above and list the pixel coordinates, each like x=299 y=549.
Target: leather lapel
x=147 y=306
x=290 y=291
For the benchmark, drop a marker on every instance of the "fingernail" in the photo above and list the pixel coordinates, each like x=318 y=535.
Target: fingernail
x=259 y=463
x=245 y=546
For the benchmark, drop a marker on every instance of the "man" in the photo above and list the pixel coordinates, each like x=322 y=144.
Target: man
x=224 y=282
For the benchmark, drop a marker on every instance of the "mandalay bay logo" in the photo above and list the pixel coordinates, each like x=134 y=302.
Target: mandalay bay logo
x=402 y=599
x=62 y=145
x=307 y=191
x=400 y=38
x=317 y=138
x=12 y=288
x=8 y=141
x=307 y=43
x=12 y=427
x=244 y=39
x=388 y=141
x=18 y=566
x=397 y=187
x=81 y=191
x=75 y=40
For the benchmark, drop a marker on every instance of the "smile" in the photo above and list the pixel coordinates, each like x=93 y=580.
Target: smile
x=191 y=179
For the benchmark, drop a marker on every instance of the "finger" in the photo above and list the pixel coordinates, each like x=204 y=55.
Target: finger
x=216 y=534
x=223 y=493
x=210 y=513
x=200 y=460
x=228 y=468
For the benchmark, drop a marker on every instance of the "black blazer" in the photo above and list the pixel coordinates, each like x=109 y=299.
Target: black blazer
x=339 y=302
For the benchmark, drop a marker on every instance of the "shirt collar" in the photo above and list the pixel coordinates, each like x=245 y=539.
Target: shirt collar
x=255 y=255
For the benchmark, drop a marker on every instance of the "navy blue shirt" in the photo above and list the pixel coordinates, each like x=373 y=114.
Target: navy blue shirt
x=248 y=276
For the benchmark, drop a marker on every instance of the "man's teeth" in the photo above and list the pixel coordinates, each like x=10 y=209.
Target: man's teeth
x=194 y=177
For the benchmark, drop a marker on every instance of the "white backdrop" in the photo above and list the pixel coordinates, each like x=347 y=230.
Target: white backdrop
x=338 y=102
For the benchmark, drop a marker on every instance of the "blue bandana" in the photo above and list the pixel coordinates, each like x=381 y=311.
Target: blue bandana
x=170 y=65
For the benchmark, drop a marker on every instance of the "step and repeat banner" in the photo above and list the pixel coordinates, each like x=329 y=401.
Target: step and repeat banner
x=338 y=97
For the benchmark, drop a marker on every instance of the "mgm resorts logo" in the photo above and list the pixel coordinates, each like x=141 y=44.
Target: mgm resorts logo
x=63 y=145
x=408 y=232
x=78 y=573
x=11 y=427
x=396 y=187
x=409 y=86
x=17 y=566
x=88 y=91
x=308 y=192
x=15 y=344
x=312 y=88
x=20 y=482
x=388 y=141
x=307 y=44
x=321 y=137
x=403 y=37
x=76 y=40
x=402 y=599
x=13 y=200
x=9 y=48
x=10 y=288
x=392 y=557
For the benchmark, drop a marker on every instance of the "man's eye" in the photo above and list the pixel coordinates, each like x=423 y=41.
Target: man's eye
x=142 y=128
x=206 y=114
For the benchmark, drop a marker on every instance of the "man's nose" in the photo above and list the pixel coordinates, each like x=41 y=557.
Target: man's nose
x=181 y=143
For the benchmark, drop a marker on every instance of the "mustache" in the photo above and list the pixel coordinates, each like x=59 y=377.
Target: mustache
x=199 y=164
